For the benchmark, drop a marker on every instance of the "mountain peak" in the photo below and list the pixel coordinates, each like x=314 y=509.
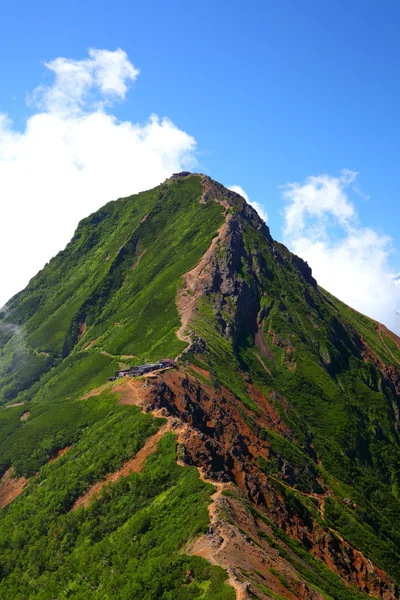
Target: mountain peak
x=282 y=397
x=180 y=175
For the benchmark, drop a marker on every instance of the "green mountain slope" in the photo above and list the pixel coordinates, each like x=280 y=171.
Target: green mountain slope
x=283 y=396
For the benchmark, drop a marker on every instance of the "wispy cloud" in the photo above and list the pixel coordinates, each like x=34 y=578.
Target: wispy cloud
x=260 y=209
x=73 y=156
x=319 y=198
x=11 y=334
x=77 y=82
x=351 y=261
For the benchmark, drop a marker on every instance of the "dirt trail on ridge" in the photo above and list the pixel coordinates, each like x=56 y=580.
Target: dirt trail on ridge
x=133 y=465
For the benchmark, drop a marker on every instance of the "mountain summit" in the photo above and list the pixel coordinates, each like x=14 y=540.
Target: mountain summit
x=260 y=461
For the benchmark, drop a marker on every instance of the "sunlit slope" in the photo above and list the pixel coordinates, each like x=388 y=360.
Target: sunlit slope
x=129 y=543
x=293 y=397
x=115 y=283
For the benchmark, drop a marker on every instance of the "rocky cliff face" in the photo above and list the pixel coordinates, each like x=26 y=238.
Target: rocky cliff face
x=235 y=277
x=236 y=300
x=227 y=445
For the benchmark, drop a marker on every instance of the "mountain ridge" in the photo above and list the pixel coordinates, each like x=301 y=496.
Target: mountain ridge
x=283 y=397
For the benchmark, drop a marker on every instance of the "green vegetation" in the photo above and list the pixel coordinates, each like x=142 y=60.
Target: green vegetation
x=115 y=285
x=116 y=282
x=340 y=408
x=282 y=579
x=270 y=593
x=109 y=299
x=304 y=472
x=127 y=543
x=221 y=359
x=58 y=416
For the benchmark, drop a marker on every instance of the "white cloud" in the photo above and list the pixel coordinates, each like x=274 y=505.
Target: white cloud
x=350 y=261
x=73 y=157
x=260 y=209
x=319 y=197
x=77 y=82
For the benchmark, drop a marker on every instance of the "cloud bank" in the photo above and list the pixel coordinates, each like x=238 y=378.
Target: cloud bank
x=352 y=262
x=72 y=157
x=260 y=209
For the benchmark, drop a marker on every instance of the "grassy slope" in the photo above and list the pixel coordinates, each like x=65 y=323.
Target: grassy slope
x=118 y=276
x=334 y=399
x=128 y=543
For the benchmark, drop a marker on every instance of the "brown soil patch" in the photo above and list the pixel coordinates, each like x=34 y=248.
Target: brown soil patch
x=382 y=330
x=270 y=413
x=134 y=465
x=389 y=371
x=15 y=404
x=262 y=345
x=197 y=282
x=137 y=261
x=11 y=487
x=260 y=360
x=131 y=392
x=201 y=371
x=136 y=391
x=92 y=343
x=60 y=453
x=210 y=192
x=234 y=542
x=25 y=416
x=82 y=330
x=212 y=545
x=199 y=279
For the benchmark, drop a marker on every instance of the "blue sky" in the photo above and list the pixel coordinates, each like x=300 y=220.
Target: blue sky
x=273 y=92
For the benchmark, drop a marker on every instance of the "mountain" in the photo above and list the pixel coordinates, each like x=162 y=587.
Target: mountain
x=265 y=464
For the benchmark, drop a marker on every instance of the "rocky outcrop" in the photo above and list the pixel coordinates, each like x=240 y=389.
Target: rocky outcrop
x=229 y=272
x=215 y=436
x=235 y=298
x=11 y=487
x=223 y=438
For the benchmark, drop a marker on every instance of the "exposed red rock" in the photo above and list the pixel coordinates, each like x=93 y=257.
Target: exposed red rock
x=11 y=487
x=217 y=438
x=60 y=453
x=82 y=329
x=133 y=465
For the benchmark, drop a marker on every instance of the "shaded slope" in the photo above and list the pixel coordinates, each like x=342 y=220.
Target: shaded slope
x=332 y=379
